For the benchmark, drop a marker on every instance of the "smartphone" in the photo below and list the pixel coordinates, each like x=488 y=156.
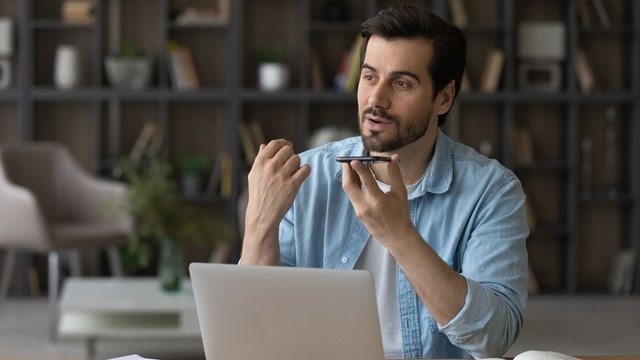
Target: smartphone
x=346 y=159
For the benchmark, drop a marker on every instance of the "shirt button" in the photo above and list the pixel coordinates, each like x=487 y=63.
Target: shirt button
x=344 y=259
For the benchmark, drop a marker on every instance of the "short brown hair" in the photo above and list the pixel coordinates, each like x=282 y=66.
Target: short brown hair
x=449 y=44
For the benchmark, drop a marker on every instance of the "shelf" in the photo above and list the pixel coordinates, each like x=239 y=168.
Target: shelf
x=615 y=30
x=81 y=94
x=483 y=28
x=199 y=26
x=608 y=97
x=603 y=198
x=548 y=97
x=222 y=53
x=10 y=94
x=58 y=24
x=543 y=165
x=550 y=231
x=93 y=93
x=324 y=26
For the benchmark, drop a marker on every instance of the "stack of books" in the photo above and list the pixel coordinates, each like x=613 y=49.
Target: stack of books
x=77 y=11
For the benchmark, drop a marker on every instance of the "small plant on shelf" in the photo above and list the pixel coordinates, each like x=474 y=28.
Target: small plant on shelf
x=194 y=169
x=130 y=70
x=273 y=70
x=164 y=220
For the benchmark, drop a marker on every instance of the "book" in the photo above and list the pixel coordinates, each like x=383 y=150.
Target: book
x=315 y=70
x=213 y=183
x=77 y=11
x=226 y=176
x=584 y=13
x=601 y=13
x=492 y=70
x=223 y=10
x=246 y=140
x=256 y=133
x=142 y=142
x=155 y=144
x=184 y=75
x=586 y=77
x=523 y=146
x=340 y=78
x=176 y=67
x=204 y=15
x=458 y=13
x=353 y=69
x=191 y=74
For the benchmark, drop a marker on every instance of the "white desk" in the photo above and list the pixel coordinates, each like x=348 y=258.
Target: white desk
x=92 y=308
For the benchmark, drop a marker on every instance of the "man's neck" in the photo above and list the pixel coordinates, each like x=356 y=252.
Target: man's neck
x=414 y=159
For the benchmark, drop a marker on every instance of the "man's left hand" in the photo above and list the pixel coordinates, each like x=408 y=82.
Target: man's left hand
x=386 y=215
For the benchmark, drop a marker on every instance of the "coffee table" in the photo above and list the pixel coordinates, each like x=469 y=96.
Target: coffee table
x=125 y=308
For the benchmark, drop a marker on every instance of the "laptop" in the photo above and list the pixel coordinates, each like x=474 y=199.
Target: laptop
x=284 y=313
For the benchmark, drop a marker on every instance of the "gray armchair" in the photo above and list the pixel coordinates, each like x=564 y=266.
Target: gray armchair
x=49 y=204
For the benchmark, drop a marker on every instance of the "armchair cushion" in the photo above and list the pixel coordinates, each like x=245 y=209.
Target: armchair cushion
x=50 y=202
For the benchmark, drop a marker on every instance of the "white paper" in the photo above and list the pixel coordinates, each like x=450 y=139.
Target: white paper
x=131 y=357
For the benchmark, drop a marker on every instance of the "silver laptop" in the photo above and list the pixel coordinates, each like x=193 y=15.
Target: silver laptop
x=283 y=313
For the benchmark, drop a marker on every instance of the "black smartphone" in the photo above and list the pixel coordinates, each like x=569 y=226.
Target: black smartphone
x=346 y=159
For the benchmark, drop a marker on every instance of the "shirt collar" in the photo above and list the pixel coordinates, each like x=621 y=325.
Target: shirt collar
x=439 y=172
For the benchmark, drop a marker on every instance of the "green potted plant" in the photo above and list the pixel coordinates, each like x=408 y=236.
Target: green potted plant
x=194 y=169
x=164 y=220
x=273 y=70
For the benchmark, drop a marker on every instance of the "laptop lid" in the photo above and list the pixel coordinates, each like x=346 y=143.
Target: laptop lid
x=285 y=313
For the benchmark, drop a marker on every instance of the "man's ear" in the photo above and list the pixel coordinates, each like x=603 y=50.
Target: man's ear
x=444 y=100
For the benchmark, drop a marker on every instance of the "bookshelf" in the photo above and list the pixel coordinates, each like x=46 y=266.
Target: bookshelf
x=577 y=233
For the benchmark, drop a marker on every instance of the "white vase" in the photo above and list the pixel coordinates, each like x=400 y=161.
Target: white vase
x=66 y=73
x=273 y=76
x=5 y=73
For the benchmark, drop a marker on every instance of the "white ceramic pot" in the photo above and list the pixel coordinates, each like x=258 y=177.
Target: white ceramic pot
x=128 y=73
x=66 y=74
x=273 y=76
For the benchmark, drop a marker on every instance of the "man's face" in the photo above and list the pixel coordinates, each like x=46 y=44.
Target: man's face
x=395 y=93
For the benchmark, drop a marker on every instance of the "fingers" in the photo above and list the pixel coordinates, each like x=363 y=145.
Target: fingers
x=270 y=150
x=350 y=181
x=365 y=175
x=355 y=175
x=301 y=175
x=278 y=156
x=393 y=169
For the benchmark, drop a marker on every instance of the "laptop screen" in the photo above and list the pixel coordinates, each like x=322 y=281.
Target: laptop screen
x=284 y=313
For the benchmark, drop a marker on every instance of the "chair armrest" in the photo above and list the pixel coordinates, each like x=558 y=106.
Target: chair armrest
x=22 y=224
x=98 y=201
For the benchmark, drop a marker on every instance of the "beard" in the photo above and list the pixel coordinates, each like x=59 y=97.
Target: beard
x=406 y=134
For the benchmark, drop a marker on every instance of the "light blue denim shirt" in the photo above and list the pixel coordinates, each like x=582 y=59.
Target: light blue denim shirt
x=468 y=208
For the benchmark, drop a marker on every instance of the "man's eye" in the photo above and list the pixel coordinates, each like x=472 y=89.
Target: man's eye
x=401 y=83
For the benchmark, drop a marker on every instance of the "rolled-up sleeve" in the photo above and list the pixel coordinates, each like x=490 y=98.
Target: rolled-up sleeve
x=496 y=269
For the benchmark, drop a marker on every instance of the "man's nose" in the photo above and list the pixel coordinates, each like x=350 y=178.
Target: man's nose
x=379 y=97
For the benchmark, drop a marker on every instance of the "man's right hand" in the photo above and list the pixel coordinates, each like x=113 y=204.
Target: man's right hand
x=274 y=181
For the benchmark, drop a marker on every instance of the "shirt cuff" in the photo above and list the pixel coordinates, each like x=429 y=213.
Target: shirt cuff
x=474 y=315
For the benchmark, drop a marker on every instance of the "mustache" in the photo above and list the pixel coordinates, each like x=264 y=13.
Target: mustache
x=380 y=113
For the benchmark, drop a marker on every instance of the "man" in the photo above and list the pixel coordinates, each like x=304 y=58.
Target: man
x=441 y=228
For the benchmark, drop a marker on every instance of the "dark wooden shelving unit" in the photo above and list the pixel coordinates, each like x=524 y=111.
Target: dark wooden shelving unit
x=206 y=121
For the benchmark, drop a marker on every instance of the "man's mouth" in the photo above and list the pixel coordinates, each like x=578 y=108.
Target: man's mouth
x=375 y=119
